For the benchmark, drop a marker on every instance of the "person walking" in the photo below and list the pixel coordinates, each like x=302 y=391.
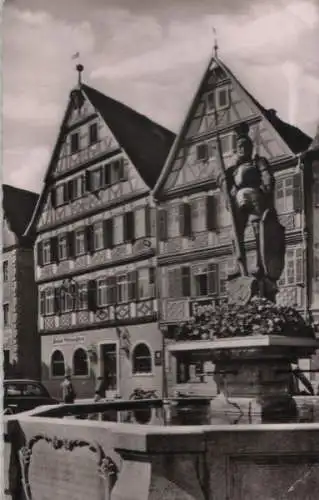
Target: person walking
x=99 y=389
x=68 y=392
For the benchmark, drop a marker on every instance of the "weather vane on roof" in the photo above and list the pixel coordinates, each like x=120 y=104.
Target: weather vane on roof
x=215 y=42
x=79 y=67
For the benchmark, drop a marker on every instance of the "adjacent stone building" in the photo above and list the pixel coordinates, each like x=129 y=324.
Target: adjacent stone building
x=21 y=344
x=95 y=248
x=195 y=233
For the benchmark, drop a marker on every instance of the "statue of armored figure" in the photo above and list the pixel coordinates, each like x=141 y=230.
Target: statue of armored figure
x=248 y=186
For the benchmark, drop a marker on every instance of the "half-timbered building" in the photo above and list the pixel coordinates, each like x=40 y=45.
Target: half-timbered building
x=195 y=253
x=95 y=248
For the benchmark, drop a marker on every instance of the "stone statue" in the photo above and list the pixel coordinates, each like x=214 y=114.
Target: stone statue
x=248 y=187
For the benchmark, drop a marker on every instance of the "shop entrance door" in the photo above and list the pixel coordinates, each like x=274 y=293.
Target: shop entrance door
x=109 y=368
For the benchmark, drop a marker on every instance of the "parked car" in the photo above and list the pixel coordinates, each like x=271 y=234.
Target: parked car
x=23 y=395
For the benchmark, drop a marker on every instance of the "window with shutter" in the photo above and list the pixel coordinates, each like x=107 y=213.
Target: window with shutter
x=185 y=219
x=50 y=299
x=54 y=249
x=93 y=134
x=108 y=233
x=297 y=195
x=70 y=189
x=129 y=229
x=140 y=223
x=62 y=247
x=57 y=301
x=122 y=285
x=96 y=180
x=200 y=280
x=53 y=197
x=186 y=284
x=59 y=195
x=102 y=298
x=46 y=251
x=98 y=236
x=162 y=225
x=107 y=174
x=198 y=215
x=132 y=286
x=88 y=181
x=92 y=295
x=42 y=303
x=82 y=302
x=117 y=171
x=71 y=244
x=212 y=213
x=111 y=290
x=89 y=239
x=118 y=232
x=143 y=283
x=39 y=254
x=213 y=279
x=80 y=242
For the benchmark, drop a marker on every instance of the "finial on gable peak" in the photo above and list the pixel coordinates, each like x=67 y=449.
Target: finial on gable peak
x=79 y=68
x=215 y=43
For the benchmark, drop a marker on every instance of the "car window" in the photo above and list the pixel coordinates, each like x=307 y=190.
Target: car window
x=33 y=390
x=13 y=390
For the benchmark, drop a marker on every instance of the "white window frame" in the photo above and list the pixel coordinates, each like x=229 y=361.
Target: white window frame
x=98 y=236
x=60 y=362
x=82 y=303
x=198 y=215
x=173 y=221
x=46 y=252
x=215 y=101
x=79 y=241
x=102 y=292
x=284 y=185
x=59 y=195
x=139 y=223
x=62 y=247
x=145 y=288
x=6 y=314
x=150 y=358
x=118 y=229
x=122 y=288
x=293 y=273
x=87 y=371
x=5 y=271
x=49 y=299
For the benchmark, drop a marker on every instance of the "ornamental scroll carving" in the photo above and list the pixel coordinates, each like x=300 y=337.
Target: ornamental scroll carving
x=106 y=467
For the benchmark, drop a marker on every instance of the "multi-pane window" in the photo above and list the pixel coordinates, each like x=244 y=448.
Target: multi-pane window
x=117 y=171
x=294 y=264
x=80 y=362
x=49 y=301
x=118 y=230
x=96 y=177
x=57 y=364
x=102 y=292
x=198 y=215
x=75 y=142
x=284 y=195
x=122 y=285
x=139 y=223
x=46 y=252
x=62 y=247
x=5 y=270
x=145 y=287
x=173 y=220
x=6 y=319
x=59 y=195
x=79 y=242
x=218 y=98
x=98 y=235
x=77 y=187
x=142 y=359
x=93 y=134
x=226 y=268
x=66 y=299
x=207 y=150
x=200 y=280
x=82 y=296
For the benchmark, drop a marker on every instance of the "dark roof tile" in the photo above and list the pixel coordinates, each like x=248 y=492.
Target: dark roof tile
x=18 y=206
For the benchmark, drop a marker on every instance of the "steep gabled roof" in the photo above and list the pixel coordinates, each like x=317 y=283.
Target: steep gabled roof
x=18 y=207
x=146 y=143
x=296 y=140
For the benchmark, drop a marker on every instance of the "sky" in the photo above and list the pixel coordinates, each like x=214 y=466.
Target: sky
x=150 y=55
